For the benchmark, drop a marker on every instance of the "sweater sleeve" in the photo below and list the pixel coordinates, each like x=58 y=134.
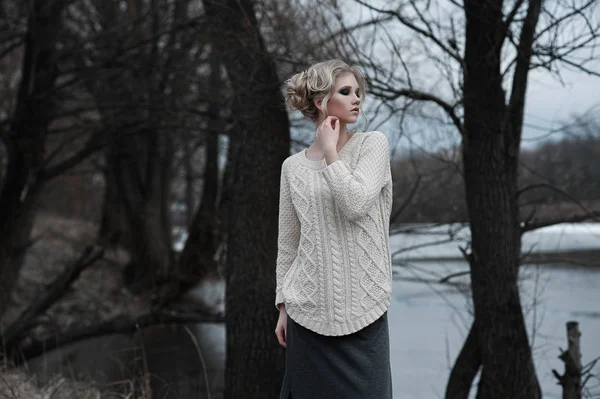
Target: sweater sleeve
x=356 y=191
x=288 y=233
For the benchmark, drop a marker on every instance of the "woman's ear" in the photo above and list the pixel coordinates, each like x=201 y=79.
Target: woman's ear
x=318 y=103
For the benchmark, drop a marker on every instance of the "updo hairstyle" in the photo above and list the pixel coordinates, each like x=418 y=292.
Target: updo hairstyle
x=317 y=81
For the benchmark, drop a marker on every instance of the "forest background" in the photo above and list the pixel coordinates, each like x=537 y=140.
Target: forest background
x=159 y=127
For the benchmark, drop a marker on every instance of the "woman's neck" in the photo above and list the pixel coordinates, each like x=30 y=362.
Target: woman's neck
x=343 y=137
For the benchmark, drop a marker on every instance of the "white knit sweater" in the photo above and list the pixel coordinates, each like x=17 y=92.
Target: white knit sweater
x=333 y=260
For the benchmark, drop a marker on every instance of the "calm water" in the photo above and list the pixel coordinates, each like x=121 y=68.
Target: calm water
x=428 y=323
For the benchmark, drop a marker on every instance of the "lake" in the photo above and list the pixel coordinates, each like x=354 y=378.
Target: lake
x=429 y=321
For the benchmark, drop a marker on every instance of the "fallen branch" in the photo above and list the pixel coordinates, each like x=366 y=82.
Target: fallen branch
x=53 y=292
x=118 y=325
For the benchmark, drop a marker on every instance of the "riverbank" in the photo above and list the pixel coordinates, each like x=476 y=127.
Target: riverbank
x=582 y=258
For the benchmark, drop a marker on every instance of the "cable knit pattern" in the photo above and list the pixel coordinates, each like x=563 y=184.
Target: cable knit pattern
x=337 y=278
x=333 y=261
x=306 y=276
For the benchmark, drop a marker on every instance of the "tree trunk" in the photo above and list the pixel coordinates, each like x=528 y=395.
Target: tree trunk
x=465 y=368
x=508 y=370
x=140 y=151
x=114 y=229
x=490 y=156
x=198 y=257
x=255 y=363
x=25 y=141
x=571 y=383
x=188 y=167
x=141 y=165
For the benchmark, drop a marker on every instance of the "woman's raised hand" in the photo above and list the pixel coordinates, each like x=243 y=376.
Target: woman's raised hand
x=328 y=133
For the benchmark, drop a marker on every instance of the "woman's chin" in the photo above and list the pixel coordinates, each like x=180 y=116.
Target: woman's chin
x=349 y=121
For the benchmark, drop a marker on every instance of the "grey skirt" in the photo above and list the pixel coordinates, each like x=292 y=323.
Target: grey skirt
x=354 y=366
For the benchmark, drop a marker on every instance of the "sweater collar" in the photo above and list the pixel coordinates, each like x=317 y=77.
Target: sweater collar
x=322 y=163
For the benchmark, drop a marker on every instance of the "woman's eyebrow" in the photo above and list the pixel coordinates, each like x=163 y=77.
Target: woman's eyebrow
x=347 y=87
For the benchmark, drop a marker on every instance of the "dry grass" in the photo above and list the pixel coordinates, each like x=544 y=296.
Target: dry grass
x=18 y=384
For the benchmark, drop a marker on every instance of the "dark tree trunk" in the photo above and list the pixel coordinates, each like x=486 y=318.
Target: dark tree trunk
x=571 y=380
x=225 y=193
x=255 y=363
x=26 y=139
x=140 y=150
x=490 y=156
x=188 y=167
x=114 y=229
x=198 y=257
x=135 y=214
x=465 y=368
x=141 y=165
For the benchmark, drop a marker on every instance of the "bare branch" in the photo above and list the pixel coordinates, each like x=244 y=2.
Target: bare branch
x=346 y=30
x=511 y=15
x=566 y=17
x=428 y=33
x=578 y=66
x=519 y=86
x=56 y=290
x=18 y=42
x=409 y=198
x=423 y=245
x=117 y=325
x=94 y=144
x=427 y=97
x=447 y=278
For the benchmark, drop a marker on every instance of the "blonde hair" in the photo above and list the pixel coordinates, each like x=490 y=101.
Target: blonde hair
x=318 y=81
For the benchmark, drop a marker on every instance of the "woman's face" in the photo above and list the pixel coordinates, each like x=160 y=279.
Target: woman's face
x=345 y=100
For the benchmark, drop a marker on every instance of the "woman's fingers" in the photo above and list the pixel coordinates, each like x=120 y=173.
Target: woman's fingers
x=281 y=335
x=333 y=121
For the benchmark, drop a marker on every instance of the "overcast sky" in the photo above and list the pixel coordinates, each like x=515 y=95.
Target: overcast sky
x=549 y=102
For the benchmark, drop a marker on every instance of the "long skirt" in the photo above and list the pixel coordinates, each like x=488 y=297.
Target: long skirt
x=354 y=366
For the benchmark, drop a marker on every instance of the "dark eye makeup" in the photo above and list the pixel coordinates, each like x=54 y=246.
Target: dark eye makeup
x=345 y=91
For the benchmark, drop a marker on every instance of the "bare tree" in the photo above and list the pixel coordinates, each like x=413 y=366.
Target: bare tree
x=481 y=54
x=24 y=140
x=139 y=64
x=254 y=363
x=198 y=259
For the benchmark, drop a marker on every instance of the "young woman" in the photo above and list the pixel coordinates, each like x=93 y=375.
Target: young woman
x=333 y=262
